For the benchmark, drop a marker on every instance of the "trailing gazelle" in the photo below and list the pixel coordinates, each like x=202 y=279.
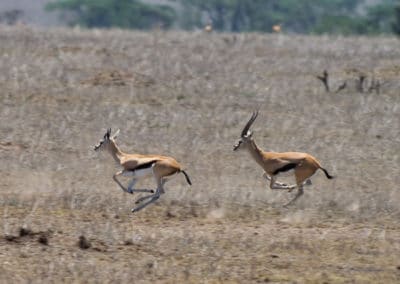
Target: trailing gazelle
x=273 y=163
x=140 y=166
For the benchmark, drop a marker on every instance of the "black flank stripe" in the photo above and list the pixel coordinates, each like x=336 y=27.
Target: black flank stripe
x=145 y=165
x=285 y=168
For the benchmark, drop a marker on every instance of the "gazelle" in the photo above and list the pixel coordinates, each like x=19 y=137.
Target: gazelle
x=140 y=166
x=277 y=28
x=273 y=163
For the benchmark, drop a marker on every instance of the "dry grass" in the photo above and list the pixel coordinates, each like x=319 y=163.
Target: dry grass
x=188 y=95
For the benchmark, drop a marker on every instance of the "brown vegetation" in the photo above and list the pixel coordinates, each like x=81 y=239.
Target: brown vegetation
x=61 y=89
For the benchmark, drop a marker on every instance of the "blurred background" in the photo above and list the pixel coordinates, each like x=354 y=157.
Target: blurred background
x=181 y=78
x=366 y=17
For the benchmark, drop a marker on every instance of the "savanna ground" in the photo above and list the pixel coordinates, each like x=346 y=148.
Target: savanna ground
x=188 y=95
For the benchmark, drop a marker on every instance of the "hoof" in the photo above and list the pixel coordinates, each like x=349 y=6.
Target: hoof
x=308 y=182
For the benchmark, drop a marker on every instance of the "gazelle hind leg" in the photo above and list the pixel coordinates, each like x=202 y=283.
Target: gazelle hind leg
x=162 y=191
x=153 y=198
x=302 y=175
x=144 y=198
x=299 y=193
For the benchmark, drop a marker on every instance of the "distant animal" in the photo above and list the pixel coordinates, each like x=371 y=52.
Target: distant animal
x=140 y=166
x=277 y=28
x=274 y=163
x=208 y=27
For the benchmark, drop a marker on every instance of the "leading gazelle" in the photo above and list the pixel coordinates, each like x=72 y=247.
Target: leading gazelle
x=273 y=163
x=139 y=166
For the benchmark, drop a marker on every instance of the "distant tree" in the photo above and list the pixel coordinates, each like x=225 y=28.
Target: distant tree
x=11 y=17
x=396 y=22
x=350 y=17
x=111 y=13
x=380 y=18
x=261 y=15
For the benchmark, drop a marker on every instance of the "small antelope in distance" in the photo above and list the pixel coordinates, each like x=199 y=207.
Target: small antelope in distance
x=277 y=28
x=140 y=166
x=273 y=163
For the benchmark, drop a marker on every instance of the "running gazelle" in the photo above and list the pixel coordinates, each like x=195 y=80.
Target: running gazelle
x=273 y=163
x=139 y=166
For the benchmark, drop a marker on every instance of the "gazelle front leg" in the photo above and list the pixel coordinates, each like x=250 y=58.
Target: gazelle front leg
x=277 y=185
x=132 y=190
x=118 y=182
x=131 y=184
x=267 y=177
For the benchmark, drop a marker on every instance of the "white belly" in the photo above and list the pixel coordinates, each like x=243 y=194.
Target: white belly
x=138 y=173
x=288 y=173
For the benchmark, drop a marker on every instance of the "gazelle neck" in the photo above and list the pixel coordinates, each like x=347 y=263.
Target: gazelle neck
x=115 y=152
x=255 y=152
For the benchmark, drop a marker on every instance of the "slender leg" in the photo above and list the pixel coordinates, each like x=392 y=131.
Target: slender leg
x=153 y=198
x=164 y=180
x=144 y=198
x=306 y=183
x=132 y=190
x=299 y=193
x=117 y=181
x=130 y=186
x=267 y=177
x=275 y=185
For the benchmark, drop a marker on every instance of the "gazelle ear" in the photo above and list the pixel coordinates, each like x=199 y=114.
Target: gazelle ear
x=116 y=134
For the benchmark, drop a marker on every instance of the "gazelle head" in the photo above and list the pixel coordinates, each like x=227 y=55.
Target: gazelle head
x=246 y=135
x=103 y=144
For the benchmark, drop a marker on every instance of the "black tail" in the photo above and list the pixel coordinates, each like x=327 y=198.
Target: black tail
x=327 y=174
x=187 y=177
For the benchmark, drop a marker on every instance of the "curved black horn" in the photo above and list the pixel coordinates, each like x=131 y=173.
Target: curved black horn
x=249 y=123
